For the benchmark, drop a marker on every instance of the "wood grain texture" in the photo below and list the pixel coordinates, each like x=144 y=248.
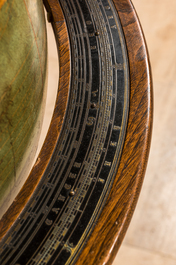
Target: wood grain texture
x=44 y=157
x=110 y=229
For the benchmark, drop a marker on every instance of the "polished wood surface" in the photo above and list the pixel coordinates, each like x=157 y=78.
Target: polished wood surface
x=113 y=222
x=110 y=229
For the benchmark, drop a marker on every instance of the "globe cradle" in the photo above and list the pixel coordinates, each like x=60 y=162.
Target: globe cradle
x=53 y=216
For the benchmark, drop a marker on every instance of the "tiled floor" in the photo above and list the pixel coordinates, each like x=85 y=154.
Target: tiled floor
x=151 y=237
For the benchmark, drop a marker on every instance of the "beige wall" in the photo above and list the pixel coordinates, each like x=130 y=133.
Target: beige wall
x=151 y=238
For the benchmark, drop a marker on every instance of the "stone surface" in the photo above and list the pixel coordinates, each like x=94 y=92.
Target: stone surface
x=23 y=65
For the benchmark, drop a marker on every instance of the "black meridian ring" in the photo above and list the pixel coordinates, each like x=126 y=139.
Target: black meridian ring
x=62 y=212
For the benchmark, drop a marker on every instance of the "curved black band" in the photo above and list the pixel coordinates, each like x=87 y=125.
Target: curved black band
x=65 y=206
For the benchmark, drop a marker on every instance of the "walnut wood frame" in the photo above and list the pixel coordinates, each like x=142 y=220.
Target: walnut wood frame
x=111 y=227
x=113 y=222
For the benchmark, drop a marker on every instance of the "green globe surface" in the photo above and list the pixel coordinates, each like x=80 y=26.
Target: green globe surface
x=23 y=66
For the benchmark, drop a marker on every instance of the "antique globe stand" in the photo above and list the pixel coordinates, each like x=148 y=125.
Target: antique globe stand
x=78 y=200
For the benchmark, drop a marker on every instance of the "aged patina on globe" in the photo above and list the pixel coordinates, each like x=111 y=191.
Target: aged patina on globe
x=23 y=64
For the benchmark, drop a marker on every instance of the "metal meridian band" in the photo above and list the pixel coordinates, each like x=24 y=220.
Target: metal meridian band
x=60 y=216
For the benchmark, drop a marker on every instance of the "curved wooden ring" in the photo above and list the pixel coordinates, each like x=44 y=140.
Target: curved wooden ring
x=116 y=215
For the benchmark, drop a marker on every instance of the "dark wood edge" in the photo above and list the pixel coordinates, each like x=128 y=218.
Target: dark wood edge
x=111 y=227
x=44 y=157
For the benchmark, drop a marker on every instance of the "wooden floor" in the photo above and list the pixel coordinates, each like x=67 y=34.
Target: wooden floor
x=151 y=237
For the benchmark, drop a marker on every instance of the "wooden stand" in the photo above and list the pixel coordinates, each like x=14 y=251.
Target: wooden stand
x=101 y=245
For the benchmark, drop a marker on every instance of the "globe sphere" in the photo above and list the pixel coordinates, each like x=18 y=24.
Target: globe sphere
x=23 y=67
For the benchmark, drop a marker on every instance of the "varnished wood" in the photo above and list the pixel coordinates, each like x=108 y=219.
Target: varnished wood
x=112 y=224
x=111 y=227
x=33 y=180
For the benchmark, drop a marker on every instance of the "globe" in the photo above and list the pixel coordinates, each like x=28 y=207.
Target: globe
x=23 y=67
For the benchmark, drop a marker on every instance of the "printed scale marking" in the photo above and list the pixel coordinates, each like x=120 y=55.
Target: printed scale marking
x=77 y=181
